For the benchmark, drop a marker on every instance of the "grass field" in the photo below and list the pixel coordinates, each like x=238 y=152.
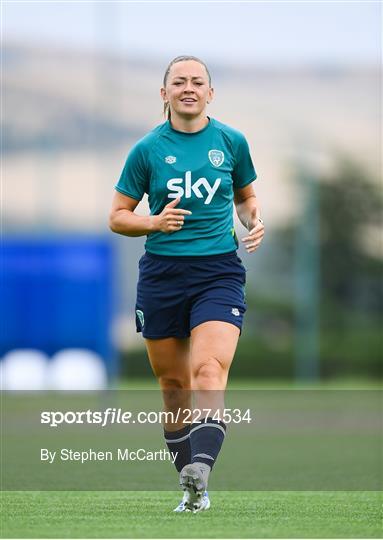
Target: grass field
x=233 y=515
x=335 y=383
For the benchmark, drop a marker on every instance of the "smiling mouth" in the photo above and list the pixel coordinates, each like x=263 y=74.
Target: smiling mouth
x=188 y=100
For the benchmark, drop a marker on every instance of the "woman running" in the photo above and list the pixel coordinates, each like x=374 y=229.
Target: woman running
x=190 y=294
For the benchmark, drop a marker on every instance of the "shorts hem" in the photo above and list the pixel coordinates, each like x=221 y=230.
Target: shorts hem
x=153 y=336
x=217 y=319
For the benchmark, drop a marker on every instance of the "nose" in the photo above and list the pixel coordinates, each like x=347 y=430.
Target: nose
x=188 y=86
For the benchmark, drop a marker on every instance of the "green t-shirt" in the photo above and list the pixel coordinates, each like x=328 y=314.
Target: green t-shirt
x=203 y=168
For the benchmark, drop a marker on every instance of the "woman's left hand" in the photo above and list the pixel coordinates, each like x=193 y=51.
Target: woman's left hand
x=255 y=236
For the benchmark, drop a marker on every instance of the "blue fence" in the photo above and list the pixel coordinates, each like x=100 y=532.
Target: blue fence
x=57 y=292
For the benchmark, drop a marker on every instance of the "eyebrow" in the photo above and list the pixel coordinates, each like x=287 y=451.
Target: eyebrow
x=185 y=78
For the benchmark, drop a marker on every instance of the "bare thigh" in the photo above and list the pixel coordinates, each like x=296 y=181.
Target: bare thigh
x=170 y=361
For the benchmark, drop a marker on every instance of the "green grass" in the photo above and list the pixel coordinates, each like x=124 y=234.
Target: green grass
x=341 y=383
x=233 y=515
x=246 y=514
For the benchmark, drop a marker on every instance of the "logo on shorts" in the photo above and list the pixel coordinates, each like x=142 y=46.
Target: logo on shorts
x=235 y=311
x=140 y=315
x=170 y=159
x=216 y=157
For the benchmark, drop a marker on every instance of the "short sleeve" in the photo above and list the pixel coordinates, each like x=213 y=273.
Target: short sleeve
x=134 y=178
x=243 y=172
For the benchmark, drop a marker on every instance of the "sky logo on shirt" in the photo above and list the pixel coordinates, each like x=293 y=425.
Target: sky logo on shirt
x=180 y=187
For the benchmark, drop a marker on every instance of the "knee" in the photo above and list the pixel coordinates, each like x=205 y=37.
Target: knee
x=175 y=392
x=209 y=375
x=173 y=384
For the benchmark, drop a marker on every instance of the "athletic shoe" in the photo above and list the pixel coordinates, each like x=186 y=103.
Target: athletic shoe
x=182 y=506
x=193 y=482
x=204 y=505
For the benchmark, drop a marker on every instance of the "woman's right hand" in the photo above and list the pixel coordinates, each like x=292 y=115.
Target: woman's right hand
x=171 y=219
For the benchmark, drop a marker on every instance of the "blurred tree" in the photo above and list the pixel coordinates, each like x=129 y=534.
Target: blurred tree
x=350 y=206
x=350 y=214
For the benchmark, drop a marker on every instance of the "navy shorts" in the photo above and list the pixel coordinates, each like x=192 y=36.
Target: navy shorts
x=175 y=294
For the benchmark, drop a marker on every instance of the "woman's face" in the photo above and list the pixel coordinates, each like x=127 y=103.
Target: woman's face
x=187 y=89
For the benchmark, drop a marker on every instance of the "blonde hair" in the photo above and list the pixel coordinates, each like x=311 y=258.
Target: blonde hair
x=182 y=58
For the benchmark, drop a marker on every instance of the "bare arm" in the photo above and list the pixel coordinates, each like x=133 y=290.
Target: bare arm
x=247 y=206
x=249 y=214
x=124 y=221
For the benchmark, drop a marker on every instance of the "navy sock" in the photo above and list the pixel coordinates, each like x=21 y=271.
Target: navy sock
x=179 y=441
x=206 y=439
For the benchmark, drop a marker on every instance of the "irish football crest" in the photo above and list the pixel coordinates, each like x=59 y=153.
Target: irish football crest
x=216 y=157
x=140 y=315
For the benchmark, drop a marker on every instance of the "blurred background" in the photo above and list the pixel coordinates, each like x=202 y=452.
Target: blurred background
x=80 y=84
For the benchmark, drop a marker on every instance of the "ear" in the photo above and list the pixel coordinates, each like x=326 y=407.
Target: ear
x=210 y=96
x=163 y=94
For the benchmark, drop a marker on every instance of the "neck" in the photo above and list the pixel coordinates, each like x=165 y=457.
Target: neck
x=187 y=124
